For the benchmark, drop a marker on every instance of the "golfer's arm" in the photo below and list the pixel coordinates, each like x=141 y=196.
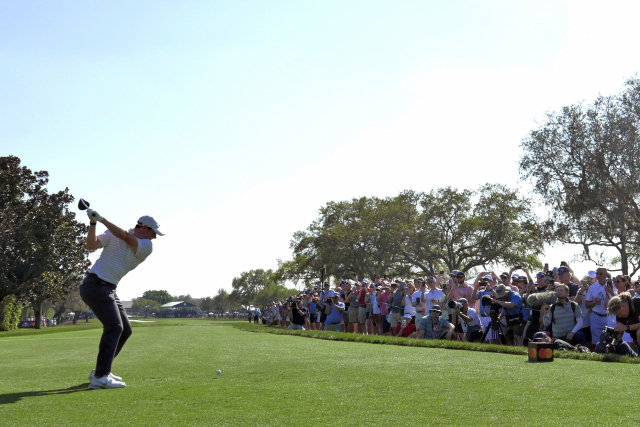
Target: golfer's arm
x=121 y=234
x=92 y=242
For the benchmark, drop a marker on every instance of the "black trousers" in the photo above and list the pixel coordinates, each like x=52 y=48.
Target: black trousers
x=101 y=297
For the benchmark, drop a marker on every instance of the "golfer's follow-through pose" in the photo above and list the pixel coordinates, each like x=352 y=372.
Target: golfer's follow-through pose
x=122 y=251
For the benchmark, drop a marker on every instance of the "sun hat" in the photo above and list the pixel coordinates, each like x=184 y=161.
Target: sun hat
x=501 y=290
x=148 y=221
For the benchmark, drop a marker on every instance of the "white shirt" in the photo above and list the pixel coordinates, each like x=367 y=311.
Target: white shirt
x=374 y=302
x=436 y=294
x=475 y=319
x=408 y=307
x=117 y=258
x=597 y=291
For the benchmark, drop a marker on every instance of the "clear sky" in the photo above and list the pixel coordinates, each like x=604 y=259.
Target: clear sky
x=233 y=122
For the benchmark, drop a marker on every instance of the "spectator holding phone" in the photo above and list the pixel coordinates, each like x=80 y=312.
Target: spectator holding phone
x=406 y=328
x=597 y=299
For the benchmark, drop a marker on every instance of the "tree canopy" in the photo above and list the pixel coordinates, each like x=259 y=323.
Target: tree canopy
x=583 y=163
x=416 y=232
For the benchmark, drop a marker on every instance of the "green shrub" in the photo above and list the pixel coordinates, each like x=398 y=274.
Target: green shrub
x=9 y=313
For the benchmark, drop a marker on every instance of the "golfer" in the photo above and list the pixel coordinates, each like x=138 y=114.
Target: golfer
x=122 y=252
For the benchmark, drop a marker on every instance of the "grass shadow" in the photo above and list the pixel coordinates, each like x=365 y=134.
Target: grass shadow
x=16 y=397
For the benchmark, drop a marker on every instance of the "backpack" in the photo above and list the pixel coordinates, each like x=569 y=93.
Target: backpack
x=573 y=307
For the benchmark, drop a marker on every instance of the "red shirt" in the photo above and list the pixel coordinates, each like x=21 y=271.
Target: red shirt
x=408 y=330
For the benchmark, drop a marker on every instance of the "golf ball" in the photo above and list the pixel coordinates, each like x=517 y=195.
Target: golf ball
x=218 y=372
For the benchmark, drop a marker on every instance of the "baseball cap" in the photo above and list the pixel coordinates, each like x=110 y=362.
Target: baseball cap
x=365 y=281
x=431 y=279
x=562 y=270
x=540 y=335
x=488 y=277
x=592 y=274
x=419 y=279
x=463 y=301
x=407 y=316
x=148 y=221
x=515 y=276
x=455 y=272
x=540 y=274
x=436 y=308
x=504 y=274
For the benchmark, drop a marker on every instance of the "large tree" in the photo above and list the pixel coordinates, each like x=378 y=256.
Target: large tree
x=583 y=163
x=245 y=287
x=42 y=246
x=417 y=233
x=161 y=297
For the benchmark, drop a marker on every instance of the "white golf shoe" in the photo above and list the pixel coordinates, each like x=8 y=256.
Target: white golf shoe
x=93 y=374
x=105 y=382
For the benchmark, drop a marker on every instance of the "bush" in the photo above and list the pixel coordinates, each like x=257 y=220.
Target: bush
x=9 y=313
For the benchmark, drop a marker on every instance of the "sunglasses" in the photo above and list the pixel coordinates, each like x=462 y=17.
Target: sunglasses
x=621 y=281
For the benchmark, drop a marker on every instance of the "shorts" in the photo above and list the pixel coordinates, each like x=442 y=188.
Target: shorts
x=386 y=326
x=323 y=317
x=312 y=317
x=458 y=328
x=345 y=316
x=395 y=319
x=377 y=319
x=514 y=330
x=353 y=314
x=362 y=314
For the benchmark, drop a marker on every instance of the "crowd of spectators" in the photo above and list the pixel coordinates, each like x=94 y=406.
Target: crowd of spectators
x=511 y=308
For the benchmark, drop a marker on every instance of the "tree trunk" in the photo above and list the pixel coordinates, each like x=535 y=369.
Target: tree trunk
x=37 y=314
x=86 y=317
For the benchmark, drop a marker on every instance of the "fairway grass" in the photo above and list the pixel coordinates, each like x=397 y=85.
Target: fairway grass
x=279 y=380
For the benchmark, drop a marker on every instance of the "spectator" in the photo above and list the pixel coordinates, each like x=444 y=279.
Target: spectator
x=434 y=326
x=406 y=328
x=511 y=302
x=333 y=310
x=581 y=299
x=394 y=304
x=384 y=309
x=469 y=321
x=433 y=296
x=564 y=276
x=362 y=298
x=483 y=285
x=565 y=317
x=597 y=300
x=407 y=302
x=347 y=298
x=418 y=299
x=375 y=309
x=622 y=283
x=297 y=314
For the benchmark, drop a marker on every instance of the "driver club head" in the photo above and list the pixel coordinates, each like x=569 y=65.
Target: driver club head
x=83 y=205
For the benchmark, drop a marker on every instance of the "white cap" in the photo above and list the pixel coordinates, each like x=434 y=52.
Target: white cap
x=151 y=223
x=591 y=274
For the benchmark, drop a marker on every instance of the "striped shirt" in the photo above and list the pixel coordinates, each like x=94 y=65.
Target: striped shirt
x=564 y=319
x=117 y=258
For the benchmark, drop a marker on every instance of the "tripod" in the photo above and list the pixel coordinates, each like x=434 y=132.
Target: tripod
x=497 y=329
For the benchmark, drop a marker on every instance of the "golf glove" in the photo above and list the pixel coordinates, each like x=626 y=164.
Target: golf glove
x=94 y=216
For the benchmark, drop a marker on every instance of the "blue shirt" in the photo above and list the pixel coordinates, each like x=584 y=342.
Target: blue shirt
x=335 y=315
x=433 y=330
x=515 y=298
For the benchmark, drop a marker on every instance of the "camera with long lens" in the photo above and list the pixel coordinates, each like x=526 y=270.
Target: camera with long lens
x=494 y=309
x=454 y=305
x=608 y=335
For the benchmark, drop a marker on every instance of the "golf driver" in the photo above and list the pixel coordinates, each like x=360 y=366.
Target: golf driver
x=83 y=205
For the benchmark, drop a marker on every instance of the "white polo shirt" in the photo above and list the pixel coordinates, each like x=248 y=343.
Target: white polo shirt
x=117 y=258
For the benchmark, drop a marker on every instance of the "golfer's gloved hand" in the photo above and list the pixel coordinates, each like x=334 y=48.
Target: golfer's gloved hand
x=94 y=216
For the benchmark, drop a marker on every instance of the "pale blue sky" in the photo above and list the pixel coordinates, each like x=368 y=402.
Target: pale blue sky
x=233 y=122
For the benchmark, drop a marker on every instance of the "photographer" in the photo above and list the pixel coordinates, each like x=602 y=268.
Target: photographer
x=297 y=315
x=511 y=302
x=469 y=320
x=434 y=326
x=627 y=312
x=333 y=310
x=611 y=342
x=487 y=282
x=565 y=318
